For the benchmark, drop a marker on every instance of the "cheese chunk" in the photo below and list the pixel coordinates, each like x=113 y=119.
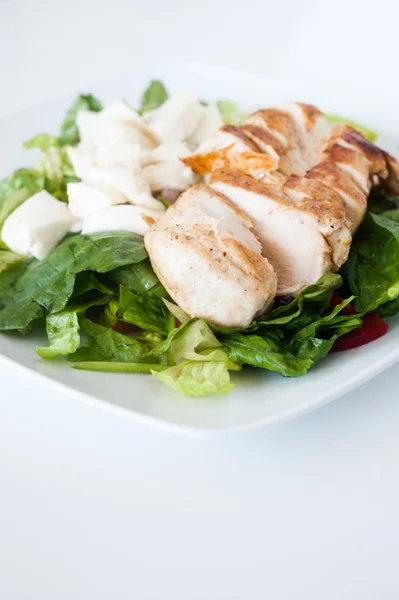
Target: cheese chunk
x=87 y=197
x=124 y=217
x=37 y=225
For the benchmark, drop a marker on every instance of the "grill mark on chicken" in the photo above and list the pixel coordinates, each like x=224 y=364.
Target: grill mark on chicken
x=238 y=133
x=311 y=114
x=263 y=138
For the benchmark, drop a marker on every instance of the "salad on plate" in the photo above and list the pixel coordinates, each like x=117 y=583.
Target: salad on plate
x=188 y=240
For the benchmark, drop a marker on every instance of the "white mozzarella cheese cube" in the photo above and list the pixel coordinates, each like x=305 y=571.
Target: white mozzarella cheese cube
x=177 y=118
x=171 y=174
x=37 y=225
x=87 y=197
x=124 y=217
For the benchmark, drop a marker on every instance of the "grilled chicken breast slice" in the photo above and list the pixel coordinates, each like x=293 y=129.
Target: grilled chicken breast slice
x=293 y=233
x=205 y=254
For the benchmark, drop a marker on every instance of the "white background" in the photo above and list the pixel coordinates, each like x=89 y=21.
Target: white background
x=93 y=507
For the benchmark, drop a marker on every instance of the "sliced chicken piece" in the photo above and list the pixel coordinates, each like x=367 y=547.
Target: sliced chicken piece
x=348 y=137
x=328 y=208
x=228 y=136
x=253 y=163
x=299 y=129
x=282 y=126
x=348 y=164
x=343 y=183
x=208 y=259
x=391 y=184
x=291 y=234
x=351 y=161
x=313 y=129
x=263 y=138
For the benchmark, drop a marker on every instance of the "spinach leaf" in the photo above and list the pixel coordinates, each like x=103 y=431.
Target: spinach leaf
x=314 y=299
x=372 y=270
x=138 y=277
x=69 y=134
x=49 y=283
x=265 y=352
x=154 y=96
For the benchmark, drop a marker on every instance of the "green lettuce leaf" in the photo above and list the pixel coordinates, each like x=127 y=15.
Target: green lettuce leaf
x=197 y=378
x=69 y=134
x=187 y=341
x=370 y=134
x=265 y=352
x=138 y=277
x=9 y=259
x=118 y=367
x=43 y=141
x=372 y=270
x=154 y=96
x=231 y=112
x=63 y=335
x=54 y=164
x=109 y=316
x=17 y=188
x=63 y=329
x=104 y=344
x=146 y=311
x=48 y=284
x=311 y=301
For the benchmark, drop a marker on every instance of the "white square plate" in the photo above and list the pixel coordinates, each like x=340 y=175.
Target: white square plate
x=260 y=397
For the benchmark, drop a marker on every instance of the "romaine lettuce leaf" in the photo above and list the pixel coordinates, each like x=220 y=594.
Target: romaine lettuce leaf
x=43 y=141
x=63 y=334
x=231 y=112
x=54 y=164
x=196 y=378
x=17 y=188
x=63 y=329
x=154 y=96
x=8 y=259
x=372 y=270
x=69 y=134
x=187 y=341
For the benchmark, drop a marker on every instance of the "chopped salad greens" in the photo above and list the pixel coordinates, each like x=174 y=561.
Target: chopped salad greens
x=104 y=308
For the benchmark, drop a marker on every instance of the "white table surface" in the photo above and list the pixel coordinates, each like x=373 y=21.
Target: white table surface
x=94 y=507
